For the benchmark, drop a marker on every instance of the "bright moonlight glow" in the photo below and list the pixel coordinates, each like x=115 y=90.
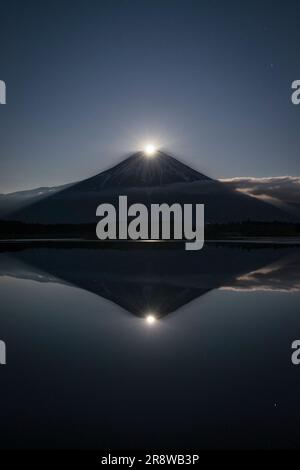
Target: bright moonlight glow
x=150 y=319
x=150 y=150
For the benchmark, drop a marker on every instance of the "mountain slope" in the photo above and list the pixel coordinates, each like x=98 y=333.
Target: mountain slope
x=145 y=180
x=138 y=171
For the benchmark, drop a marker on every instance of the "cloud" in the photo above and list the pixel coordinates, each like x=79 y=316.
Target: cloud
x=281 y=276
x=282 y=191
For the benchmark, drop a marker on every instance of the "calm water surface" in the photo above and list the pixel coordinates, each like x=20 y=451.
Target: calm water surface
x=86 y=368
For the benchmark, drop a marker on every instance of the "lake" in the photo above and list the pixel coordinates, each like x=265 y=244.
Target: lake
x=149 y=348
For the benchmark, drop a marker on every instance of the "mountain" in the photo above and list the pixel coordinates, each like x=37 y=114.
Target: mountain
x=145 y=180
x=138 y=171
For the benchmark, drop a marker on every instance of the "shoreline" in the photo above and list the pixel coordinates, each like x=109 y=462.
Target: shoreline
x=145 y=244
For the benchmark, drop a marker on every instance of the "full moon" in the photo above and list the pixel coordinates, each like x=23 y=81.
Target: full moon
x=150 y=319
x=150 y=150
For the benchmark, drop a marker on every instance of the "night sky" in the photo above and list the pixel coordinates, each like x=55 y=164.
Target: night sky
x=88 y=82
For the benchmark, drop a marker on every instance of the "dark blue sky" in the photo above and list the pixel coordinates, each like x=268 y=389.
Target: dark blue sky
x=90 y=81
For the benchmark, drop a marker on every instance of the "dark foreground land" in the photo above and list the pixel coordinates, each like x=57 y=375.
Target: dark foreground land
x=214 y=231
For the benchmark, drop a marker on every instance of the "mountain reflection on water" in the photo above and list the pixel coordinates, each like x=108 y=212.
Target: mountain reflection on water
x=160 y=281
x=149 y=348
